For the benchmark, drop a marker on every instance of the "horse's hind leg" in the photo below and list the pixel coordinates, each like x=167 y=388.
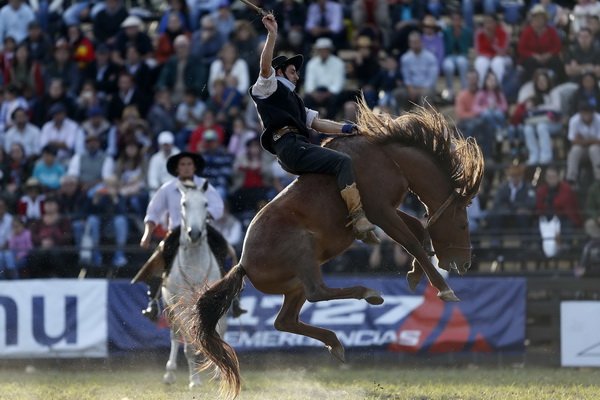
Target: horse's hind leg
x=169 y=377
x=288 y=321
x=190 y=355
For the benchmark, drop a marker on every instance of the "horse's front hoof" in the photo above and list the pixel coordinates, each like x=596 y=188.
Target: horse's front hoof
x=413 y=281
x=448 y=295
x=338 y=352
x=373 y=297
x=169 y=378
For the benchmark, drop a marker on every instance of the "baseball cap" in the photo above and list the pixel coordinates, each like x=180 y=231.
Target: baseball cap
x=166 y=137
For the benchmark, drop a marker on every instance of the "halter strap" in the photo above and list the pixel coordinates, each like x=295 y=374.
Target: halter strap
x=436 y=215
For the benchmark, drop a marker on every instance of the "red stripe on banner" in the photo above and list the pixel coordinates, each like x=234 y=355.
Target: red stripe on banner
x=454 y=336
x=481 y=345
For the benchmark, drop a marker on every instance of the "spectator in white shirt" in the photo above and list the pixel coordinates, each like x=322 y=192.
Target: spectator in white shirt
x=62 y=132
x=584 y=134
x=24 y=133
x=157 y=168
x=14 y=20
x=420 y=70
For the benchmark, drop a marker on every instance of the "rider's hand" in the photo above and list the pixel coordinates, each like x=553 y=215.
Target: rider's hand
x=145 y=242
x=270 y=23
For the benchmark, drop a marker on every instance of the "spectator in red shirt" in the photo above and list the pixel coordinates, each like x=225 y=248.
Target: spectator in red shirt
x=209 y=122
x=539 y=46
x=491 y=45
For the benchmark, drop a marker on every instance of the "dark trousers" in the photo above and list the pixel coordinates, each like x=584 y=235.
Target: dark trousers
x=297 y=155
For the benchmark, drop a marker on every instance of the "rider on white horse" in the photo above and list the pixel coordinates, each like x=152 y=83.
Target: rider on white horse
x=185 y=166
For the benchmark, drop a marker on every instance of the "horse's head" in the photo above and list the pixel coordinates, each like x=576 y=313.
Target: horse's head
x=194 y=211
x=448 y=227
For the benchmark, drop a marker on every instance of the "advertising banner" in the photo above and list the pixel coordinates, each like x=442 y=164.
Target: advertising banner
x=53 y=318
x=579 y=338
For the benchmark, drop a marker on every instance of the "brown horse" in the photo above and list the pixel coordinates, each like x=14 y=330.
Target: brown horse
x=306 y=225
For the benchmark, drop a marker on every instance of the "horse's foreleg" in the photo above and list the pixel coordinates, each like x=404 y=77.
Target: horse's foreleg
x=190 y=355
x=395 y=227
x=288 y=321
x=416 y=227
x=169 y=377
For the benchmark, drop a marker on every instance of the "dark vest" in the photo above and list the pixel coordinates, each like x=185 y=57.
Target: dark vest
x=282 y=108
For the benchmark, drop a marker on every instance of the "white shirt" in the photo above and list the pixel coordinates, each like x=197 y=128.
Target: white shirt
x=108 y=166
x=157 y=169
x=239 y=70
x=67 y=134
x=264 y=87
x=329 y=73
x=576 y=126
x=167 y=199
x=5 y=228
x=29 y=138
x=15 y=22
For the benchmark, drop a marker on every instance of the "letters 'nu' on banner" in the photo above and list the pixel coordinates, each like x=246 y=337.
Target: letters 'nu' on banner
x=93 y=318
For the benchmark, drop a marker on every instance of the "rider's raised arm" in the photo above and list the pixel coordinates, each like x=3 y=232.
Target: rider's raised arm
x=267 y=53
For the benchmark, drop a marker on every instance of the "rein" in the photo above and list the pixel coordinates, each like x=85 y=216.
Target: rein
x=433 y=219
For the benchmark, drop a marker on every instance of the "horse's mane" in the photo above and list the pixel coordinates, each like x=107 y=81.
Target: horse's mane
x=428 y=131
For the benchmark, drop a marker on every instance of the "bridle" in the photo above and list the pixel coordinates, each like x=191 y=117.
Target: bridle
x=433 y=219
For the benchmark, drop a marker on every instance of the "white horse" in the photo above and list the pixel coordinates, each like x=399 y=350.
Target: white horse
x=194 y=269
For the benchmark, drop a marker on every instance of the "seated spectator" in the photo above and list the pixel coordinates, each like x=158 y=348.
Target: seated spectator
x=16 y=169
x=324 y=79
x=491 y=106
x=128 y=94
x=420 y=71
x=81 y=47
x=61 y=132
x=468 y=9
x=107 y=23
x=6 y=220
x=593 y=24
x=325 y=19
x=87 y=99
x=584 y=135
x=229 y=64
x=372 y=19
x=161 y=116
x=12 y=101
x=226 y=100
x=188 y=116
x=70 y=200
x=386 y=88
x=206 y=44
x=209 y=123
x=540 y=46
x=582 y=56
x=224 y=18
x=556 y=198
x=64 y=68
x=38 y=43
x=55 y=94
x=131 y=170
x=51 y=234
x=219 y=165
x=405 y=18
x=592 y=209
x=15 y=17
x=131 y=33
x=7 y=52
x=469 y=120
x=103 y=72
x=458 y=39
x=133 y=127
x=30 y=205
x=157 y=167
x=541 y=120
x=251 y=177
x=91 y=167
x=165 y=47
x=47 y=170
x=588 y=91
x=96 y=124
x=23 y=133
x=432 y=39
x=513 y=205
x=134 y=65
x=106 y=211
x=240 y=135
x=291 y=16
x=179 y=8
x=582 y=10
x=491 y=47
x=365 y=66
x=19 y=246
x=246 y=41
x=25 y=74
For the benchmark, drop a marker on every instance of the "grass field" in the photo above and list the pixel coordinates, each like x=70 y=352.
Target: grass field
x=306 y=382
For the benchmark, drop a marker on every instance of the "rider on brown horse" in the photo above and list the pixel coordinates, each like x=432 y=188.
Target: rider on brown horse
x=286 y=124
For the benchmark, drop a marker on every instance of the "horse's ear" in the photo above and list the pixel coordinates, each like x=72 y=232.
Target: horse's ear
x=205 y=186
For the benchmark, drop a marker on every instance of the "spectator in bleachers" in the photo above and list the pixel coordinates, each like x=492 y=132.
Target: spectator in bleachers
x=165 y=47
x=157 y=167
x=227 y=65
x=540 y=46
x=16 y=170
x=135 y=66
x=70 y=200
x=182 y=71
x=491 y=106
x=128 y=94
x=372 y=19
x=106 y=212
x=388 y=82
x=587 y=91
x=107 y=23
x=54 y=95
x=161 y=116
x=188 y=116
x=365 y=65
x=226 y=100
x=14 y=20
x=12 y=101
x=584 y=135
x=38 y=43
x=432 y=39
x=468 y=9
x=24 y=133
x=246 y=41
x=30 y=205
x=468 y=119
x=230 y=227
x=406 y=16
x=240 y=135
x=78 y=11
x=205 y=45
x=179 y=8
x=62 y=67
x=557 y=16
x=6 y=219
x=593 y=24
x=556 y=197
x=19 y=246
x=513 y=205
x=82 y=49
x=25 y=73
x=92 y=166
x=103 y=72
x=62 y=132
x=458 y=39
x=224 y=18
x=133 y=126
x=582 y=10
x=542 y=119
x=251 y=177
x=219 y=165
x=209 y=123
x=87 y=99
x=324 y=79
x=582 y=57
x=47 y=170
x=420 y=71
x=200 y=9
x=96 y=124
x=325 y=19
x=7 y=52
x=291 y=15
x=132 y=33
x=131 y=170
x=592 y=209
x=491 y=47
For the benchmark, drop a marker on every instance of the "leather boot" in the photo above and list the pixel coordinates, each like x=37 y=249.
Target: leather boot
x=151 y=311
x=363 y=228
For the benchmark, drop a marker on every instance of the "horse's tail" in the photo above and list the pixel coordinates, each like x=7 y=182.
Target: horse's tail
x=209 y=309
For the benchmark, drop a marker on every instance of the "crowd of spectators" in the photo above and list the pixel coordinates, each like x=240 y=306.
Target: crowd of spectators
x=96 y=95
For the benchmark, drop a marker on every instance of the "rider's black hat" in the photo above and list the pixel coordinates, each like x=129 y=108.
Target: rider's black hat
x=282 y=61
x=174 y=160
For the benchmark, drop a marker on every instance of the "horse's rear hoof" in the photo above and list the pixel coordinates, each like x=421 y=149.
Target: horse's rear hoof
x=373 y=297
x=448 y=295
x=338 y=352
x=195 y=383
